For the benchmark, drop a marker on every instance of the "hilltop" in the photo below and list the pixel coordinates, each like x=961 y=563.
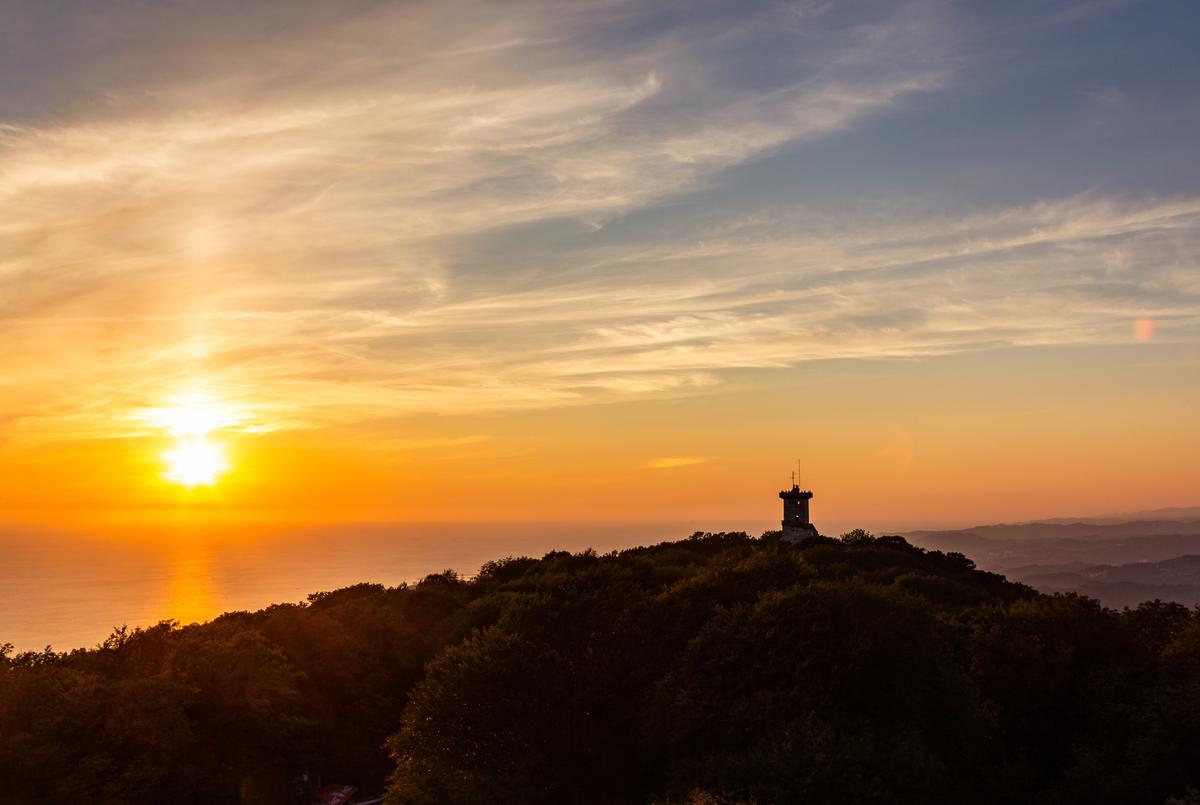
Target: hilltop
x=715 y=669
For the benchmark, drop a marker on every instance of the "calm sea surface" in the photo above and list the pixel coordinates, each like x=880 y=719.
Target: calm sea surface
x=69 y=589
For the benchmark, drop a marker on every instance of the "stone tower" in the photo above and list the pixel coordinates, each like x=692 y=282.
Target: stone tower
x=796 y=526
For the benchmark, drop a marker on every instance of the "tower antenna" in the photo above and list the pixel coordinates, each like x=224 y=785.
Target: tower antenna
x=797 y=472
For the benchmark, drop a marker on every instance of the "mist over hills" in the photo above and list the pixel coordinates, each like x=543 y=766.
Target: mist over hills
x=1121 y=559
x=1127 y=585
x=1165 y=513
x=1075 y=529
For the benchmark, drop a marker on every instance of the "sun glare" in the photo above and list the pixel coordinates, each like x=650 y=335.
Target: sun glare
x=192 y=415
x=195 y=460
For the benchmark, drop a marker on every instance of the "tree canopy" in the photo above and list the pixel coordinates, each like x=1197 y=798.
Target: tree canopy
x=715 y=669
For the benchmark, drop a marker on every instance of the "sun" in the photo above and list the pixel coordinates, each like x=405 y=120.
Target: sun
x=195 y=461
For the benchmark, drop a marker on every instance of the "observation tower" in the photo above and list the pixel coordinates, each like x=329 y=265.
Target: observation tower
x=796 y=525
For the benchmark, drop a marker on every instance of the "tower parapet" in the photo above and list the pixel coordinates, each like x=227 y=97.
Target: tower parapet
x=796 y=525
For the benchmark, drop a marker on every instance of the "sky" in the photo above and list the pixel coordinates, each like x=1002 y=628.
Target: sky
x=598 y=260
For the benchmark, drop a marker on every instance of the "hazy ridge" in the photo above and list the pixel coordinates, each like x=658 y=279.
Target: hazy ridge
x=1121 y=560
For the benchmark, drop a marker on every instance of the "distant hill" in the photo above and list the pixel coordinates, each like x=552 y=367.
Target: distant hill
x=1049 y=529
x=1167 y=513
x=1175 y=579
x=1121 y=563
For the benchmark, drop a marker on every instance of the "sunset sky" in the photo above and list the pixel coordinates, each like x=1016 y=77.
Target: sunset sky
x=598 y=260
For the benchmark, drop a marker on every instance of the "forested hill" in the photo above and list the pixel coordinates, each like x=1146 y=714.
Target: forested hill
x=715 y=669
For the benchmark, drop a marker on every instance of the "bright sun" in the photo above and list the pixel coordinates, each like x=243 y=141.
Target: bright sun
x=195 y=460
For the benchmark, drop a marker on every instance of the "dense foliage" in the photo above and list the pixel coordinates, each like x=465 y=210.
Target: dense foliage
x=716 y=669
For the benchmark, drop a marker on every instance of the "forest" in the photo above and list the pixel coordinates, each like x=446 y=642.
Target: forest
x=716 y=669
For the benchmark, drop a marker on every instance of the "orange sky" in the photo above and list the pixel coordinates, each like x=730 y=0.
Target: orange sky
x=1007 y=435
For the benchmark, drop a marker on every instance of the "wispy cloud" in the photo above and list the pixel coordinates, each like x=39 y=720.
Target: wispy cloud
x=676 y=461
x=322 y=228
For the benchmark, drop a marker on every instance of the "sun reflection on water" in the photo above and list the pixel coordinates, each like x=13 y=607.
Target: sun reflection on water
x=191 y=595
